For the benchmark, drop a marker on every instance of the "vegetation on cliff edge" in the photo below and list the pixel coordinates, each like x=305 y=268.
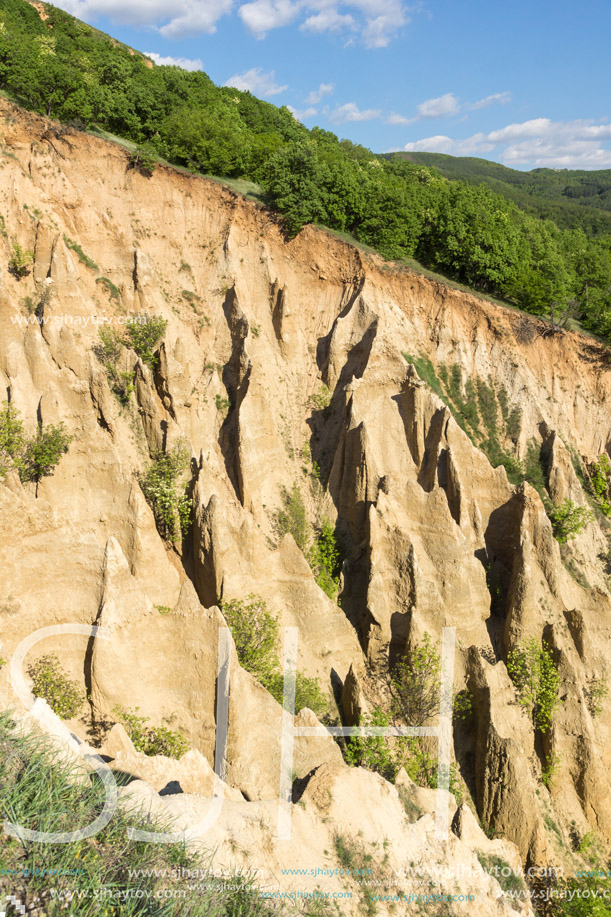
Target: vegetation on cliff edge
x=67 y=70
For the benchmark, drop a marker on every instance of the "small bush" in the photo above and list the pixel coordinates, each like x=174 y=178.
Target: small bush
x=51 y=683
x=462 y=706
x=144 y=161
x=43 y=453
x=600 y=482
x=325 y=559
x=568 y=520
x=255 y=632
x=144 y=333
x=78 y=251
x=31 y=458
x=109 y=350
x=222 y=405
x=12 y=438
x=171 y=506
x=596 y=691
x=151 y=740
x=292 y=518
x=535 y=676
x=20 y=262
x=415 y=684
x=549 y=770
x=307 y=693
x=533 y=470
x=376 y=753
x=322 y=399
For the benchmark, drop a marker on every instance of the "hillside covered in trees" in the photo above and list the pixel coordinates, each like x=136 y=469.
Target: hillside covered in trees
x=569 y=197
x=65 y=69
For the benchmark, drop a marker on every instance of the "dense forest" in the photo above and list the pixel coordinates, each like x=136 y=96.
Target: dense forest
x=569 y=197
x=67 y=70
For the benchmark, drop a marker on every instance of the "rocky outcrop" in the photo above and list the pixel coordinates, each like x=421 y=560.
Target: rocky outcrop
x=290 y=363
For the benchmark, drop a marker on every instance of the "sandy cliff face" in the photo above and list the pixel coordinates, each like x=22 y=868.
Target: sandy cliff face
x=433 y=536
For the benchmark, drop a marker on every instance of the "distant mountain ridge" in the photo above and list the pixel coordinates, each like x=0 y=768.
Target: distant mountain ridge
x=570 y=197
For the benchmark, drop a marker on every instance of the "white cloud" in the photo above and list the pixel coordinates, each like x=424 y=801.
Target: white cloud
x=499 y=98
x=384 y=18
x=441 y=107
x=329 y=20
x=183 y=62
x=351 y=112
x=263 y=15
x=256 y=81
x=438 y=144
x=446 y=106
x=324 y=89
x=537 y=143
x=304 y=114
x=377 y=21
x=394 y=118
x=173 y=18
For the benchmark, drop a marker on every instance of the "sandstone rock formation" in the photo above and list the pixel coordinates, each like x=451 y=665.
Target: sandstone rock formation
x=283 y=363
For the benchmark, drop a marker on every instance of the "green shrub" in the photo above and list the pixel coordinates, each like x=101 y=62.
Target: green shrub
x=50 y=682
x=78 y=251
x=255 y=632
x=462 y=706
x=322 y=399
x=160 y=485
x=12 y=438
x=292 y=518
x=324 y=559
x=20 y=261
x=31 y=458
x=222 y=405
x=549 y=770
x=596 y=691
x=568 y=520
x=376 y=753
x=43 y=452
x=535 y=676
x=600 y=482
x=144 y=161
x=109 y=350
x=533 y=470
x=415 y=684
x=307 y=693
x=151 y=740
x=144 y=332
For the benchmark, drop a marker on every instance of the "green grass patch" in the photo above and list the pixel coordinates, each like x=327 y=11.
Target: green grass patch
x=43 y=791
x=78 y=251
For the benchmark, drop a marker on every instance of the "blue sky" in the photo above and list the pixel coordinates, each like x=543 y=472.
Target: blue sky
x=525 y=83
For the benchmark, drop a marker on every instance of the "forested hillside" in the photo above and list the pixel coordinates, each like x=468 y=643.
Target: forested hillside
x=571 y=197
x=65 y=69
